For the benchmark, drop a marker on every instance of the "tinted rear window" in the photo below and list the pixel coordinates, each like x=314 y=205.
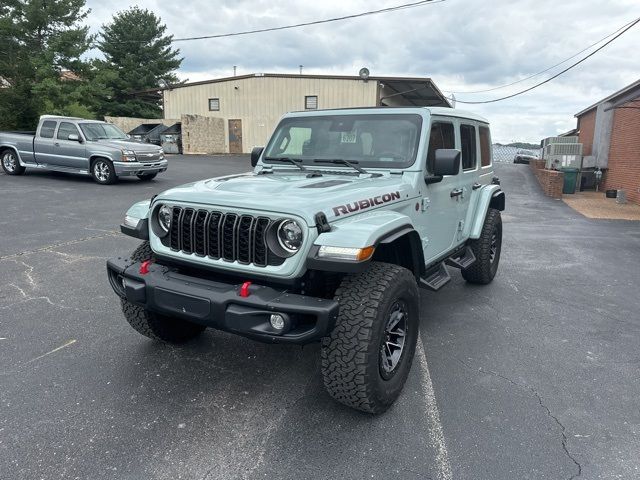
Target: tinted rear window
x=47 y=128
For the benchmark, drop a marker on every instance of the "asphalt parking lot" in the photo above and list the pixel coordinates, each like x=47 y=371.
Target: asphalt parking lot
x=532 y=377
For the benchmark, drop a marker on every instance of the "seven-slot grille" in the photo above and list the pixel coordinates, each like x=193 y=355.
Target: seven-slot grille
x=218 y=235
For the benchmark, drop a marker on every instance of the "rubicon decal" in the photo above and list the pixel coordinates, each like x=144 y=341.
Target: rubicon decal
x=366 y=203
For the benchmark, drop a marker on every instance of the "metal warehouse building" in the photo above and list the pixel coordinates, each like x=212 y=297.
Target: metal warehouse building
x=234 y=114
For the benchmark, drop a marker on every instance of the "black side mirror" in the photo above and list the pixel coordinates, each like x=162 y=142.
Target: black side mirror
x=255 y=155
x=447 y=162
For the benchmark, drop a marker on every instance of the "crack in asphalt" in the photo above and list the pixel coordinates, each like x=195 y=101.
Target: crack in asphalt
x=563 y=430
x=111 y=233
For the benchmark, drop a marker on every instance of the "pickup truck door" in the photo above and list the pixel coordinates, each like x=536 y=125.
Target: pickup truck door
x=69 y=153
x=440 y=221
x=43 y=148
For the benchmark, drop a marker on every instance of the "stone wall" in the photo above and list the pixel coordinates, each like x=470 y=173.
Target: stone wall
x=551 y=181
x=202 y=134
x=126 y=124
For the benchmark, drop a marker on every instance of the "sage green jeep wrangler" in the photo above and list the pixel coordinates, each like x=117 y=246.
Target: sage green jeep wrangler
x=344 y=216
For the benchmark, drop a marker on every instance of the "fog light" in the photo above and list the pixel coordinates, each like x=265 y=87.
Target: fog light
x=277 y=321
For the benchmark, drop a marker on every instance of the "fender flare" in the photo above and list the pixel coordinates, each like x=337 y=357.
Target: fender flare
x=15 y=150
x=491 y=197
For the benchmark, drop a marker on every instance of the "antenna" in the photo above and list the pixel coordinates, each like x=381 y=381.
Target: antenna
x=301 y=68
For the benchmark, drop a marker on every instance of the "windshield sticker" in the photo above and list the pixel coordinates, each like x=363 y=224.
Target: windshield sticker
x=348 y=137
x=366 y=203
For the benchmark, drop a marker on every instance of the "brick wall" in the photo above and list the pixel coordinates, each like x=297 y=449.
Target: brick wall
x=550 y=181
x=202 y=134
x=587 y=125
x=624 y=152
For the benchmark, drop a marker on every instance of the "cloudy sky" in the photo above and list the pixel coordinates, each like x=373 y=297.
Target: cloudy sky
x=464 y=45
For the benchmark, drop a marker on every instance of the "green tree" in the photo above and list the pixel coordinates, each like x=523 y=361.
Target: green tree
x=137 y=55
x=40 y=40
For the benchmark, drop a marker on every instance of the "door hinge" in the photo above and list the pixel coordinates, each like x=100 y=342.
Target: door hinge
x=426 y=203
x=461 y=225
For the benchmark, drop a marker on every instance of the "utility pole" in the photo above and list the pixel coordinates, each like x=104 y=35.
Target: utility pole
x=301 y=68
x=234 y=70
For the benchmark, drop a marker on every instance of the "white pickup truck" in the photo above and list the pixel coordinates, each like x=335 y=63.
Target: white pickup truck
x=76 y=145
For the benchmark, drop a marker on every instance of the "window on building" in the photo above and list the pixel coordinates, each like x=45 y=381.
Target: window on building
x=441 y=136
x=67 y=129
x=485 y=146
x=47 y=128
x=214 y=104
x=468 y=144
x=311 y=102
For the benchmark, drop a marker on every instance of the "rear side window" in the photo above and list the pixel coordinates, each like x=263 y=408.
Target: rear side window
x=468 y=144
x=47 y=129
x=66 y=129
x=485 y=146
x=441 y=137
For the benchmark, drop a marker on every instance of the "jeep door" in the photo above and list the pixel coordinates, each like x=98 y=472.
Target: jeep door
x=70 y=153
x=440 y=218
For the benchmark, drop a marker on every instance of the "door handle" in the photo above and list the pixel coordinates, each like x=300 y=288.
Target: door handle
x=456 y=192
x=57 y=144
x=476 y=186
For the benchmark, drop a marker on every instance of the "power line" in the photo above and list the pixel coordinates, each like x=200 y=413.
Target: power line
x=403 y=6
x=546 y=69
x=630 y=26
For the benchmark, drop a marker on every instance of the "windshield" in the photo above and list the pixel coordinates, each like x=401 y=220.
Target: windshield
x=102 y=131
x=383 y=141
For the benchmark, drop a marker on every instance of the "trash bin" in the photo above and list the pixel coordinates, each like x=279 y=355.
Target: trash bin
x=570 y=179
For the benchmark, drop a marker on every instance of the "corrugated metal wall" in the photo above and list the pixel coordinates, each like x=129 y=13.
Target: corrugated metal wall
x=260 y=101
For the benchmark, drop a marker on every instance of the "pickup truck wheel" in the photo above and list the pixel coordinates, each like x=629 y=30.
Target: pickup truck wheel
x=368 y=355
x=103 y=172
x=148 y=177
x=487 y=250
x=153 y=325
x=10 y=163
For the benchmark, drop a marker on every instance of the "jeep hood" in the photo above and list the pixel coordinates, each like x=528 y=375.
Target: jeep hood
x=295 y=193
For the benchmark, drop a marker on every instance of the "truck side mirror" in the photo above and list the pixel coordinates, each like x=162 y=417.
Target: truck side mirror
x=73 y=137
x=255 y=155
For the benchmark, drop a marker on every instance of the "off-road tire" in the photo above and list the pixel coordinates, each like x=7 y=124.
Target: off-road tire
x=148 y=177
x=486 y=265
x=153 y=325
x=10 y=163
x=351 y=355
x=107 y=178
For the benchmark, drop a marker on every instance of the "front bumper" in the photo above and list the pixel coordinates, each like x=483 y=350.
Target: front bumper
x=140 y=168
x=219 y=305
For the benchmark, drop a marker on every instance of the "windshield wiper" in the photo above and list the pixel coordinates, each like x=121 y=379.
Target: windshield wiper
x=340 y=161
x=287 y=160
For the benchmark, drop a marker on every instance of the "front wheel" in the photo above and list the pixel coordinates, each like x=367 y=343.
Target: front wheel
x=10 y=163
x=103 y=172
x=487 y=250
x=368 y=355
x=153 y=325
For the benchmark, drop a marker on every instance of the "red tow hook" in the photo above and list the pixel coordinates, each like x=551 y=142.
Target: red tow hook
x=144 y=267
x=244 y=289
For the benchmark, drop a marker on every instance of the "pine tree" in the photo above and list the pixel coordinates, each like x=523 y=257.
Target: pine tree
x=40 y=40
x=137 y=55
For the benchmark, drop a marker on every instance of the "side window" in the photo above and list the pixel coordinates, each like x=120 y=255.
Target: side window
x=485 y=146
x=468 y=144
x=441 y=136
x=47 y=128
x=65 y=130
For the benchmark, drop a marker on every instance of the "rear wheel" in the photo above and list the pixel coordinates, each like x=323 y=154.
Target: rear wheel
x=487 y=250
x=153 y=325
x=368 y=355
x=10 y=163
x=103 y=172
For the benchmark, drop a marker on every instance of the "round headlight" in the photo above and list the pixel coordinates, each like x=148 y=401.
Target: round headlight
x=164 y=217
x=290 y=235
